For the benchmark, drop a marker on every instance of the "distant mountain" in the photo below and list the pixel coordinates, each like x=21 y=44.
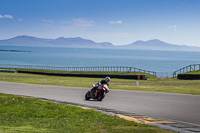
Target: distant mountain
x=59 y=42
x=78 y=42
x=25 y=41
x=158 y=45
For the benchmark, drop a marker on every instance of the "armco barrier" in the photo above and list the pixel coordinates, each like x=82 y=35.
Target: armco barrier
x=120 y=76
x=189 y=76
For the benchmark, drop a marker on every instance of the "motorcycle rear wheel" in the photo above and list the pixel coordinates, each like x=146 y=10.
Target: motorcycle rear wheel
x=100 y=96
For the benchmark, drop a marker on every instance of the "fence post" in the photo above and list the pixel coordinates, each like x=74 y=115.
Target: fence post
x=174 y=74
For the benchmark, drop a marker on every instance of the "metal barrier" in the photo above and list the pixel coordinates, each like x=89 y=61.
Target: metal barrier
x=96 y=75
x=104 y=68
x=186 y=69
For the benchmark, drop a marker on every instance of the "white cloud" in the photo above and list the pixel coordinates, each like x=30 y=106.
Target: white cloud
x=82 y=23
x=172 y=27
x=116 y=22
x=20 y=19
x=47 y=21
x=73 y=27
x=6 y=16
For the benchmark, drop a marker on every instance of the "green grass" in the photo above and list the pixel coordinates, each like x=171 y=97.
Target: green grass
x=19 y=114
x=194 y=72
x=154 y=84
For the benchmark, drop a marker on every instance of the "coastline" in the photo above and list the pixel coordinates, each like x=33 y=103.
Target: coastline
x=14 y=51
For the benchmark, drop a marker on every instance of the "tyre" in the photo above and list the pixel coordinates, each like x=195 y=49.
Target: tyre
x=100 y=96
x=87 y=97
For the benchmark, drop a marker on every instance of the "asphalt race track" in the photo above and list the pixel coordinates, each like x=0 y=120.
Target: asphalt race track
x=179 y=107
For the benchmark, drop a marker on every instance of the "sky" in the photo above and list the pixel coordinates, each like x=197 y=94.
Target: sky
x=119 y=22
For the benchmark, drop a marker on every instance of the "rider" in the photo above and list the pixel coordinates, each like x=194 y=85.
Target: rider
x=103 y=81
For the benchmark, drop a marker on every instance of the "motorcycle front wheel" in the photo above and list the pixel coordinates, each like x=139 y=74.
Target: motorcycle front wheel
x=87 y=97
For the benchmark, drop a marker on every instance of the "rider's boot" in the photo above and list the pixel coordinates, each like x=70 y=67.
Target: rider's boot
x=92 y=91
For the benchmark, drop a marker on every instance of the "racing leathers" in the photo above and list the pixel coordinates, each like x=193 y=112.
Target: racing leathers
x=103 y=81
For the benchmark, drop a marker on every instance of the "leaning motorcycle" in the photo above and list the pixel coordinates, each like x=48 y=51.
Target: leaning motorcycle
x=99 y=94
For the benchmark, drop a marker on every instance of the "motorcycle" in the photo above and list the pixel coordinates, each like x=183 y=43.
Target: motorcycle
x=99 y=94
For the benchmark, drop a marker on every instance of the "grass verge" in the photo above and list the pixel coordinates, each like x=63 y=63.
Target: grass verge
x=193 y=72
x=19 y=114
x=170 y=85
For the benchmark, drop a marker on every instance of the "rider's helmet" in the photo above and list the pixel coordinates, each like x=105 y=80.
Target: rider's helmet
x=107 y=79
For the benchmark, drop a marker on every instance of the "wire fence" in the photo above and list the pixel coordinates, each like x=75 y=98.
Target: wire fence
x=186 y=69
x=164 y=74
x=104 y=68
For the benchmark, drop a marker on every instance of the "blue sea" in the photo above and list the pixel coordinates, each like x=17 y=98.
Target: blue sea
x=158 y=61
